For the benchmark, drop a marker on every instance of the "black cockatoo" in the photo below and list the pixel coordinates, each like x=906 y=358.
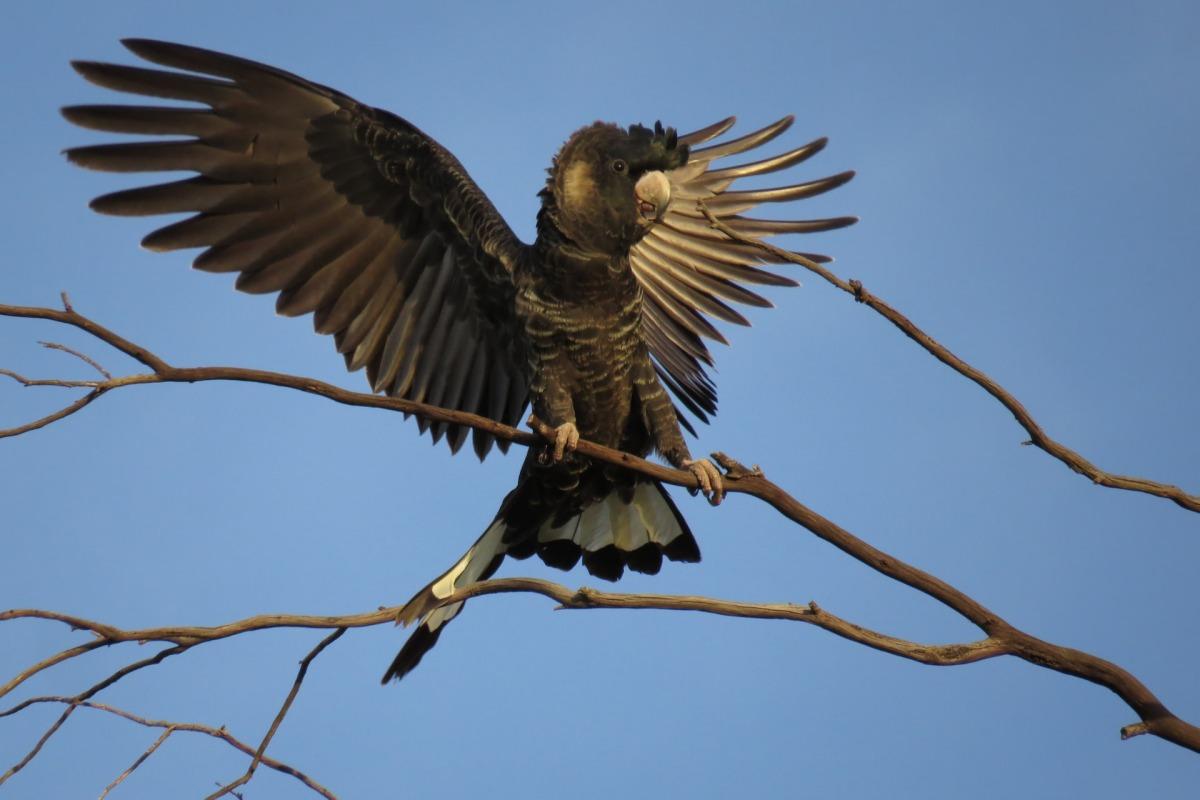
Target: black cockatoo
x=355 y=215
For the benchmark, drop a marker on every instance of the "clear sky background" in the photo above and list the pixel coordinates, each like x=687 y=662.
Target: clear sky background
x=1027 y=187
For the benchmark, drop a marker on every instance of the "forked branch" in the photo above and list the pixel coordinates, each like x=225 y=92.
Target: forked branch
x=188 y=727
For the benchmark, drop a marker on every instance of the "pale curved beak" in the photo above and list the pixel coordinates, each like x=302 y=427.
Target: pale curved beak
x=653 y=193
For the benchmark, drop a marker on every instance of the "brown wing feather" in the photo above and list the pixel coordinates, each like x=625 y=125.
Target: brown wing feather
x=348 y=212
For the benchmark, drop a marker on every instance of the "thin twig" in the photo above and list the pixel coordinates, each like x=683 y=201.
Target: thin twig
x=129 y=770
x=283 y=710
x=84 y=695
x=1037 y=436
x=85 y=359
x=68 y=316
x=50 y=418
x=165 y=373
x=62 y=384
x=46 y=663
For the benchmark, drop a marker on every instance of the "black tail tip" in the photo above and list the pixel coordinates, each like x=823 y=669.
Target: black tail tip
x=419 y=643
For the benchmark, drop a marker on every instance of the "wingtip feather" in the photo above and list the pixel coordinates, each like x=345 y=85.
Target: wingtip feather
x=150 y=48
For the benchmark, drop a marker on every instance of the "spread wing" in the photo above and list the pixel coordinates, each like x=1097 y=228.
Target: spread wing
x=688 y=270
x=347 y=211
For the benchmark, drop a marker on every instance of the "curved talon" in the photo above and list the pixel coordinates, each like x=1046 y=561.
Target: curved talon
x=709 y=477
x=566 y=439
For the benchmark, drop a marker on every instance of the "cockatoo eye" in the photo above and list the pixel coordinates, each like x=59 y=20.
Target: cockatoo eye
x=619 y=166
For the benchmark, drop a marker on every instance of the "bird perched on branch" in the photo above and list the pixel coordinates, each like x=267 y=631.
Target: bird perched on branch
x=353 y=214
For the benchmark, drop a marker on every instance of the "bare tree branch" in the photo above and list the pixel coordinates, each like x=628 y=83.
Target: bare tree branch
x=85 y=359
x=45 y=663
x=129 y=770
x=165 y=373
x=84 y=695
x=1002 y=638
x=283 y=710
x=1037 y=436
x=582 y=598
x=192 y=727
x=49 y=418
x=940 y=655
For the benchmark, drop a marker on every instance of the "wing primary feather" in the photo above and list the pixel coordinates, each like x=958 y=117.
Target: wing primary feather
x=362 y=341
x=311 y=289
x=198 y=231
x=304 y=95
x=147 y=120
x=157 y=83
x=697 y=231
x=158 y=156
x=256 y=247
x=782 y=194
x=685 y=340
x=727 y=274
x=423 y=306
x=709 y=132
x=683 y=396
x=683 y=365
x=768 y=227
x=362 y=338
x=744 y=143
x=443 y=359
x=518 y=396
x=696 y=300
x=433 y=345
x=683 y=315
x=343 y=308
x=447 y=387
x=696 y=272
x=395 y=362
x=735 y=256
x=471 y=396
x=773 y=164
x=191 y=194
x=290 y=224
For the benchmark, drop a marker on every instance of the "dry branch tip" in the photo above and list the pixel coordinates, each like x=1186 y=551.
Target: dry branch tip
x=1136 y=729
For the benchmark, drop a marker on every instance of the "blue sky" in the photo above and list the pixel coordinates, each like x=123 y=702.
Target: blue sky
x=1026 y=184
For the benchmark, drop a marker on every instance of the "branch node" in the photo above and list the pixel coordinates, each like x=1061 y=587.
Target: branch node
x=581 y=598
x=735 y=469
x=860 y=294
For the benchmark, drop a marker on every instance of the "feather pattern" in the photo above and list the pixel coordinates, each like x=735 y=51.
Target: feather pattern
x=637 y=529
x=686 y=267
x=348 y=211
